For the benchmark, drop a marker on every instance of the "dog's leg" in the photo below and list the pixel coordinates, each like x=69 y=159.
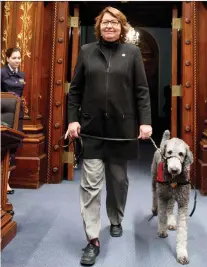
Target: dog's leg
x=154 y=178
x=182 y=228
x=171 y=220
x=154 y=198
x=162 y=217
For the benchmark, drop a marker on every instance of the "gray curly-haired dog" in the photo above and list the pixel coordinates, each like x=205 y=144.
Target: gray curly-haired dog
x=170 y=176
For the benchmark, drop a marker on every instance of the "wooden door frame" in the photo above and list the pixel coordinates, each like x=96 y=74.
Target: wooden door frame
x=56 y=111
x=174 y=76
x=189 y=80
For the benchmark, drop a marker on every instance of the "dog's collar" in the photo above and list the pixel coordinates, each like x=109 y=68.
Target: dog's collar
x=166 y=158
x=174 y=184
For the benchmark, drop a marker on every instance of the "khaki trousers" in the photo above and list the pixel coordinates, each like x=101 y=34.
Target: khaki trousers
x=92 y=178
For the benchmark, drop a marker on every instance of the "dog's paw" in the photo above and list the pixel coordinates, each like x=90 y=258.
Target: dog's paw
x=183 y=260
x=171 y=222
x=162 y=234
x=172 y=227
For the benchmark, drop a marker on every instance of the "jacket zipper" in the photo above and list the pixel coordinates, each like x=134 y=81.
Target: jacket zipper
x=107 y=82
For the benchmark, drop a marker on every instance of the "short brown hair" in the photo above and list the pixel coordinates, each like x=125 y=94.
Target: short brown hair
x=11 y=50
x=118 y=15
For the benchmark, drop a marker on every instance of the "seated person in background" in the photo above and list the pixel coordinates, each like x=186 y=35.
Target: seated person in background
x=12 y=80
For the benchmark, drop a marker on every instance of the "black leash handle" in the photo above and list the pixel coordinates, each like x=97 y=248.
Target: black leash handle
x=71 y=142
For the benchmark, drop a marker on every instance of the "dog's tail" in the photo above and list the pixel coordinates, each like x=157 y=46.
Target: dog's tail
x=166 y=136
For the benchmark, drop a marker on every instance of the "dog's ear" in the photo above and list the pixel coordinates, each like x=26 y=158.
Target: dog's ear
x=165 y=138
x=187 y=162
x=166 y=135
x=163 y=148
x=188 y=156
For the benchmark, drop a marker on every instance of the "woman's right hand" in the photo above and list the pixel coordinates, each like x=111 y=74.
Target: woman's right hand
x=73 y=130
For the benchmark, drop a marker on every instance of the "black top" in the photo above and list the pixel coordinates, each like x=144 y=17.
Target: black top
x=108 y=47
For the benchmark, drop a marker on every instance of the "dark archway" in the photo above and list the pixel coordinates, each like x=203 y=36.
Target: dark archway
x=150 y=54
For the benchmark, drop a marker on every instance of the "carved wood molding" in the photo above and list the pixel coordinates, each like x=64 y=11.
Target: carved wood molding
x=52 y=74
x=33 y=128
x=25 y=35
x=195 y=141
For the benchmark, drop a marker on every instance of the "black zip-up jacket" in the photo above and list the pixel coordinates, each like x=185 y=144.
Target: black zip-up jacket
x=110 y=88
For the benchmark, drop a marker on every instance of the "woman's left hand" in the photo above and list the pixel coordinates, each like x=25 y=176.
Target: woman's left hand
x=145 y=131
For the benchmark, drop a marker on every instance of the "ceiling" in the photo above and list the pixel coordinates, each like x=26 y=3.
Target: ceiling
x=139 y=13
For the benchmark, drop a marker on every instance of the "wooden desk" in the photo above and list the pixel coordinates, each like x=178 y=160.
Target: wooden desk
x=10 y=138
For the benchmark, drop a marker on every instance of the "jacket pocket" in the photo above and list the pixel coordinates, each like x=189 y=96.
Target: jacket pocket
x=127 y=115
x=123 y=125
x=86 y=121
x=86 y=115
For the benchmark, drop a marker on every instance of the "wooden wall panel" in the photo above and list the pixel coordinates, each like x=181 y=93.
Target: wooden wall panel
x=23 y=25
x=20 y=28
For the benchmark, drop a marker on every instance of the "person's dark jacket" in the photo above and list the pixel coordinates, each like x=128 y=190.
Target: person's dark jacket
x=13 y=82
x=113 y=96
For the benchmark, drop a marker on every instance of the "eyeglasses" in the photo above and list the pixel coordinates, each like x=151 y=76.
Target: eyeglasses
x=114 y=23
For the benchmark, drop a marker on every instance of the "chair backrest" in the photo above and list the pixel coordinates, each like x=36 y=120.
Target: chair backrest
x=10 y=109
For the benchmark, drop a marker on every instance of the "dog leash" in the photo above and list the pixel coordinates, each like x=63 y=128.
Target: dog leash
x=153 y=142
x=195 y=200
